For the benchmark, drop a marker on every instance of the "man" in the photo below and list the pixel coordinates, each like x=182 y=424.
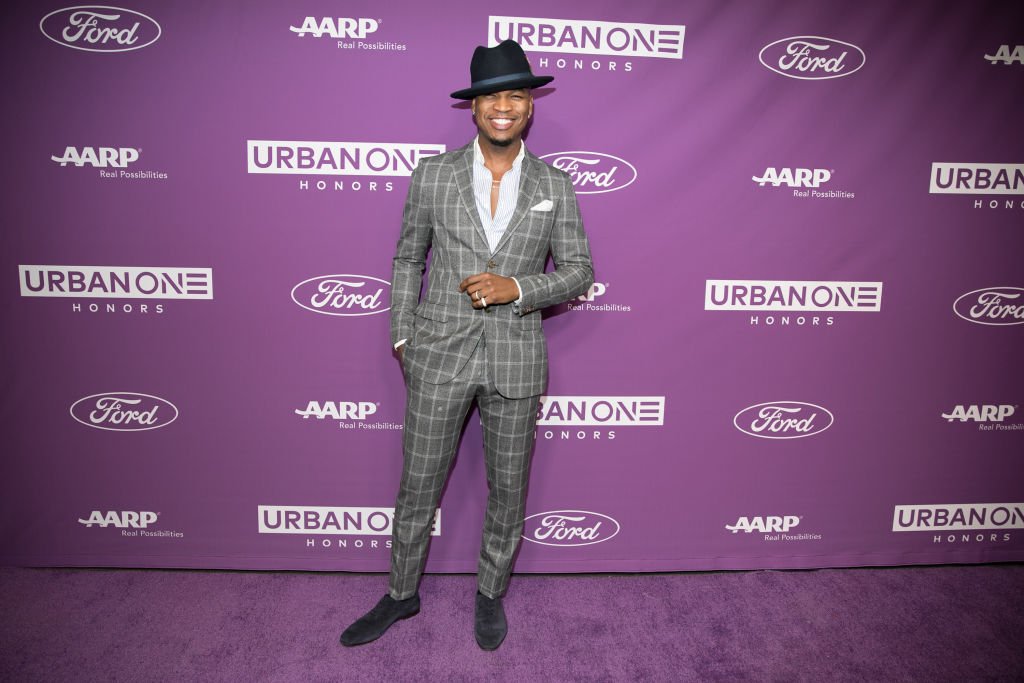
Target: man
x=491 y=212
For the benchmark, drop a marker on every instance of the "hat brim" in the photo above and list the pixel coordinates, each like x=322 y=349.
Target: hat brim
x=514 y=84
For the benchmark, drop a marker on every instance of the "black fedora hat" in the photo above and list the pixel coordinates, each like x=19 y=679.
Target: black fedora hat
x=502 y=67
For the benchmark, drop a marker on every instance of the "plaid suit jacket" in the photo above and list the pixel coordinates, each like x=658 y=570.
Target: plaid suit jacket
x=442 y=328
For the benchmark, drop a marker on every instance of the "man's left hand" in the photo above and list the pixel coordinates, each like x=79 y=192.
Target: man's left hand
x=488 y=289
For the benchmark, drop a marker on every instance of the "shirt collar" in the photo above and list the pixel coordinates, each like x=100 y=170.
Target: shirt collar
x=478 y=155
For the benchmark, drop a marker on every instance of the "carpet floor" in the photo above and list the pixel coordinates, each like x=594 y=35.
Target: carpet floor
x=950 y=623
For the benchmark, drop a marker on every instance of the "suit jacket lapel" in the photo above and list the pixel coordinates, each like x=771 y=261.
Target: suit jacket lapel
x=464 y=182
x=529 y=179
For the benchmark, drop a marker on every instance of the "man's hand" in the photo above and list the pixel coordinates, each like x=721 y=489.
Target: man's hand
x=488 y=289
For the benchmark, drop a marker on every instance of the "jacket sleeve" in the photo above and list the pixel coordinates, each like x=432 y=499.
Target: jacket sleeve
x=410 y=257
x=570 y=251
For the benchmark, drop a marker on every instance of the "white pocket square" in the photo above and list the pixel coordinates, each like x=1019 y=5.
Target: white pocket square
x=545 y=205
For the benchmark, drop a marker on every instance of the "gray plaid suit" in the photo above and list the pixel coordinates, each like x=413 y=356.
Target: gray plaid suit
x=455 y=353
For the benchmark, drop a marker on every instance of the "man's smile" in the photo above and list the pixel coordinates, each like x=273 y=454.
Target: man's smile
x=501 y=123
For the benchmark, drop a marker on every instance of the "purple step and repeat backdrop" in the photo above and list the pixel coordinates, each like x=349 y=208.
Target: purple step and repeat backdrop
x=802 y=348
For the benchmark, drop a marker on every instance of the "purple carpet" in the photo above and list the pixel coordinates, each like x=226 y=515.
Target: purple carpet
x=960 y=623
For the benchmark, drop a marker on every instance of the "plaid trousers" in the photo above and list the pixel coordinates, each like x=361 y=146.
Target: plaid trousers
x=434 y=417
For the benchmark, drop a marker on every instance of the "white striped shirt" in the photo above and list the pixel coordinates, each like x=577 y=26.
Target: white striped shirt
x=494 y=227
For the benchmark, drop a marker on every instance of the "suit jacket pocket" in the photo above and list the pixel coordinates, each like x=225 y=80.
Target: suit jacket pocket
x=530 y=323
x=432 y=311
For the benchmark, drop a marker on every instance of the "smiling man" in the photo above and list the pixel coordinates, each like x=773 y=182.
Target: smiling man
x=492 y=213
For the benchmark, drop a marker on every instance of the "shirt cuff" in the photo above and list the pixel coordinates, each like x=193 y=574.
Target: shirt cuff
x=519 y=300
x=399 y=343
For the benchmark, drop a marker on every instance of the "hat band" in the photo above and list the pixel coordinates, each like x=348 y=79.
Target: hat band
x=501 y=79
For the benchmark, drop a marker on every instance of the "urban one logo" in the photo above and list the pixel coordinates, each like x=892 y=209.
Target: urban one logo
x=966 y=178
x=594 y=172
x=124 y=411
x=98 y=157
x=991 y=306
x=100 y=29
x=342 y=295
x=1004 y=55
x=796 y=295
x=783 y=420
x=127 y=519
x=569 y=528
x=337 y=158
x=586 y=37
x=958 y=517
x=355 y=521
x=602 y=411
x=812 y=58
x=116 y=282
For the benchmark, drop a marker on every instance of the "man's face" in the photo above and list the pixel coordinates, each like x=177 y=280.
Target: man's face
x=501 y=117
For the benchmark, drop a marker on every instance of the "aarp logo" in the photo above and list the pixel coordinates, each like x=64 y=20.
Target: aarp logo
x=1007 y=55
x=338 y=410
x=793 y=177
x=596 y=290
x=341 y=27
x=766 y=524
x=980 y=413
x=98 y=157
x=127 y=519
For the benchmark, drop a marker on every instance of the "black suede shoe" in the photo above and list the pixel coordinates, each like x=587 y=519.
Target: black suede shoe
x=491 y=626
x=374 y=623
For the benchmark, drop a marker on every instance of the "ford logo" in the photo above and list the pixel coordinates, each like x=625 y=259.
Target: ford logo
x=98 y=28
x=594 y=172
x=783 y=420
x=124 y=411
x=992 y=306
x=812 y=58
x=344 y=295
x=569 y=527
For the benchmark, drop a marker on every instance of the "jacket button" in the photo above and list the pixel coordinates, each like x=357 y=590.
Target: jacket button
x=492 y=264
